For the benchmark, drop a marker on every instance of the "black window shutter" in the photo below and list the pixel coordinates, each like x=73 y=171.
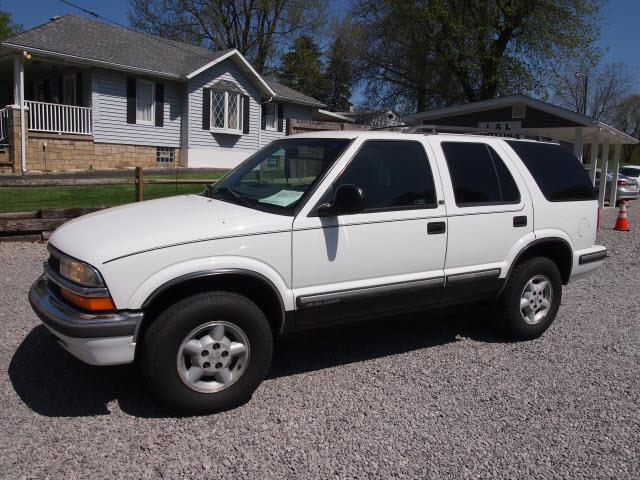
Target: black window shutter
x=263 y=122
x=159 y=104
x=280 y=117
x=206 y=109
x=131 y=100
x=79 y=89
x=246 y=122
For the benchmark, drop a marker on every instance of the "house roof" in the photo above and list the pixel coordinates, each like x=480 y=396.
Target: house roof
x=285 y=93
x=88 y=41
x=590 y=126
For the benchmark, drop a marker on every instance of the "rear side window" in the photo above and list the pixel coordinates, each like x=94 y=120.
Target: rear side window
x=392 y=174
x=556 y=170
x=478 y=174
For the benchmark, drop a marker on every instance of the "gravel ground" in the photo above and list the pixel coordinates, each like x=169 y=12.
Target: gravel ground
x=424 y=397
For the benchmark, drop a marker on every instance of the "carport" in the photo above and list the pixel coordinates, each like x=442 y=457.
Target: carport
x=525 y=117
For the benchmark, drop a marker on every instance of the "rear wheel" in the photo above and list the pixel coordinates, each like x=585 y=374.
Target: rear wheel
x=531 y=298
x=207 y=353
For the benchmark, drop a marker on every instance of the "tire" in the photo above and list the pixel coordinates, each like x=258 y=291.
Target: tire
x=219 y=382
x=525 y=283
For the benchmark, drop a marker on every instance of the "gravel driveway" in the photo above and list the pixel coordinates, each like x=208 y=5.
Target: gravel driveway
x=423 y=397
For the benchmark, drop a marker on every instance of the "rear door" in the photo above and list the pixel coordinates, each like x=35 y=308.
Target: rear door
x=489 y=214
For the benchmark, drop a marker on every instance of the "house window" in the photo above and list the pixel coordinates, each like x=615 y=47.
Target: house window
x=271 y=116
x=69 y=89
x=145 y=105
x=226 y=110
x=165 y=155
x=39 y=92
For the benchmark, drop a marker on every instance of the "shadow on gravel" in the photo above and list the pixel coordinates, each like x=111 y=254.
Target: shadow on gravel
x=53 y=383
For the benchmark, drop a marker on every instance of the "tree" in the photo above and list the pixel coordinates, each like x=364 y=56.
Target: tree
x=626 y=118
x=340 y=77
x=606 y=85
x=302 y=69
x=257 y=28
x=426 y=53
x=7 y=27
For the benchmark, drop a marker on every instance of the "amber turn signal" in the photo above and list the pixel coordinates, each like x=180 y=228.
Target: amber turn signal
x=92 y=304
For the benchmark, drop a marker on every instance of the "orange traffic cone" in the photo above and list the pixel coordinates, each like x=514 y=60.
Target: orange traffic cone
x=622 y=223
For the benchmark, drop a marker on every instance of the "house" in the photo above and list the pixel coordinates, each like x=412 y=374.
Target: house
x=102 y=96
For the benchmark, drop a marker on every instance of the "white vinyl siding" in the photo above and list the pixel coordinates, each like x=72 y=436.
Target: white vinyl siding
x=109 y=101
x=200 y=138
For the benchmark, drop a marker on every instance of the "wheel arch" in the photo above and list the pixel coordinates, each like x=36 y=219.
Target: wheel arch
x=255 y=286
x=555 y=248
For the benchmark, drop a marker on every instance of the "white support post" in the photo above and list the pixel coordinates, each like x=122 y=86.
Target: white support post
x=594 y=158
x=578 y=145
x=18 y=97
x=614 y=180
x=603 y=174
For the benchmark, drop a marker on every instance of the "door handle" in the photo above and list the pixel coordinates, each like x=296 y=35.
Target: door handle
x=435 y=228
x=520 y=221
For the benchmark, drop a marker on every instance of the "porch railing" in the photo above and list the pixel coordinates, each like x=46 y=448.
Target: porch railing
x=57 y=118
x=4 y=124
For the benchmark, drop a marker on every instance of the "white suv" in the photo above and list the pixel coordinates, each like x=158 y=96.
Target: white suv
x=312 y=230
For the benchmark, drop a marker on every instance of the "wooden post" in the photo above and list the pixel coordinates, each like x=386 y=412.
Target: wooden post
x=139 y=184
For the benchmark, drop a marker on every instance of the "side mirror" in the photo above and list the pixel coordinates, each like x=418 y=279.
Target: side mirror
x=348 y=199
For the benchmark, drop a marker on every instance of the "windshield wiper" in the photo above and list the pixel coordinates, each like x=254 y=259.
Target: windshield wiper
x=237 y=195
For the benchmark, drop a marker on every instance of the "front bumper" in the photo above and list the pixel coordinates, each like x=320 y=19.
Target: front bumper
x=98 y=339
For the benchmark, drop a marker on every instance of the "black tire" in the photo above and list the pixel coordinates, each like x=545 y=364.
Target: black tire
x=514 y=325
x=162 y=341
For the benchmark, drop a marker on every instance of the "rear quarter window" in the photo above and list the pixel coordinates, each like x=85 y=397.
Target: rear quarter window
x=556 y=170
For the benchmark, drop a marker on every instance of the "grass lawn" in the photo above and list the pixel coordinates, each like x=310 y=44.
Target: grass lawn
x=25 y=199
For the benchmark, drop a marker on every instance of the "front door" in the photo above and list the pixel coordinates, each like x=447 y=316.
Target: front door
x=489 y=215
x=388 y=258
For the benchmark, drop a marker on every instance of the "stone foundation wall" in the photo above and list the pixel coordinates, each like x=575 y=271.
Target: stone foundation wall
x=75 y=152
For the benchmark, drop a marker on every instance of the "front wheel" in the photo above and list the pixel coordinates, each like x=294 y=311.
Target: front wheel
x=531 y=298
x=207 y=353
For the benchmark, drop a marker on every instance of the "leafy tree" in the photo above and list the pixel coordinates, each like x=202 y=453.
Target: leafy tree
x=257 y=28
x=606 y=84
x=302 y=69
x=427 y=53
x=626 y=118
x=340 y=76
x=7 y=27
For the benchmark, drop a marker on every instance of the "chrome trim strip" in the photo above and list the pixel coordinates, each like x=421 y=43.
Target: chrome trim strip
x=336 y=296
x=68 y=285
x=472 y=276
x=178 y=244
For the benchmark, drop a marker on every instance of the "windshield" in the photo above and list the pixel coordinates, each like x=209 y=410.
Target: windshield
x=278 y=177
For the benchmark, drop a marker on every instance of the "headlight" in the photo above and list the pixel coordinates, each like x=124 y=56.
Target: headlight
x=79 y=272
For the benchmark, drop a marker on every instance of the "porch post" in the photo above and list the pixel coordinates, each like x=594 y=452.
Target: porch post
x=613 y=196
x=603 y=174
x=594 y=158
x=578 y=144
x=18 y=98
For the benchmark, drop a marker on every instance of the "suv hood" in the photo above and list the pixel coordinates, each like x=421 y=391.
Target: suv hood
x=108 y=234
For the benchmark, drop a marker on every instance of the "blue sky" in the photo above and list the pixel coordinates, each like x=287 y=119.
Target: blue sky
x=620 y=27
